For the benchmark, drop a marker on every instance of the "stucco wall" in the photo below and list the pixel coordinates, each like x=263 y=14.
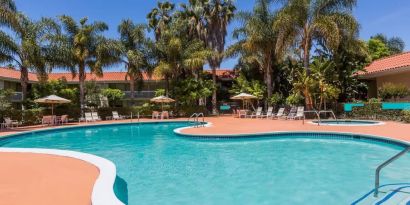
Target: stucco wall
x=401 y=78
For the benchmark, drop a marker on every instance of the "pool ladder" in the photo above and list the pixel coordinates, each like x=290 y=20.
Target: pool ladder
x=380 y=167
x=194 y=119
x=319 y=120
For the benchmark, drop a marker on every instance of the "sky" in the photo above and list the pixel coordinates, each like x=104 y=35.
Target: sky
x=390 y=17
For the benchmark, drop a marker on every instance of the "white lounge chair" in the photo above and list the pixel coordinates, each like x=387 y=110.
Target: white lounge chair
x=9 y=123
x=300 y=113
x=48 y=120
x=164 y=114
x=292 y=113
x=62 y=119
x=257 y=114
x=156 y=115
x=95 y=116
x=116 y=116
x=88 y=117
x=281 y=113
x=269 y=113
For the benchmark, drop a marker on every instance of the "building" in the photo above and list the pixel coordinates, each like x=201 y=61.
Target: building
x=10 y=79
x=393 y=69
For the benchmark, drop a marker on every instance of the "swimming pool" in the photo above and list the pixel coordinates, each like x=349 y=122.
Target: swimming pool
x=156 y=166
x=348 y=122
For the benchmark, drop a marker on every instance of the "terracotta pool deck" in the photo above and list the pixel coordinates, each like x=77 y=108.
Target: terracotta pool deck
x=48 y=180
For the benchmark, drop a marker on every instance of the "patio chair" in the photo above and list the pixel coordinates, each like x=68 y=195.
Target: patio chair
x=9 y=123
x=156 y=115
x=47 y=120
x=257 y=114
x=164 y=114
x=95 y=116
x=300 y=113
x=281 y=113
x=63 y=119
x=292 y=113
x=88 y=117
x=242 y=113
x=269 y=113
x=116 y=116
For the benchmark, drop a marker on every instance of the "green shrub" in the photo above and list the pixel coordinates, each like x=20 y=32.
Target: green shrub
x=393 y=91
x=406 y=116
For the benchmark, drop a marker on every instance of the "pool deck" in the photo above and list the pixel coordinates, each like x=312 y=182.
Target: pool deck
x=46 y=179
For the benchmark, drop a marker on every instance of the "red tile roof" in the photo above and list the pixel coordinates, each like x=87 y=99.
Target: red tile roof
x=12 y=74
x=107 y=77
x=388 y=63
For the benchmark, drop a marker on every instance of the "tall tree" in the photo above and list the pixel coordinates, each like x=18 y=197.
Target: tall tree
x=136 y=52
x=311 y=21
x=395 y=44
x=210 y=19
x=258 y=40
x=160 y=17
x=84 y=48
x=29 y=48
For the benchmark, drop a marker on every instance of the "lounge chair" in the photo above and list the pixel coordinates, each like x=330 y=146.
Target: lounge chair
x=9 y=123
x=281 y=113
x=95 y=116
x=257 y=114
x=156 y=115
x=88 y=117
x=269 y=113
x=116 y=116
x=300 y=113
x=292 y=113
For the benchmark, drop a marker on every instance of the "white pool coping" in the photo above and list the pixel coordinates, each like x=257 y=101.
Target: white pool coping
x=103 y=190
x=323 y=123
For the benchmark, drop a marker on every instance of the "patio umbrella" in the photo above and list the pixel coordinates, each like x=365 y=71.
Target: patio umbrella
x=52 y=99
x=162 y=99
x=243 y=97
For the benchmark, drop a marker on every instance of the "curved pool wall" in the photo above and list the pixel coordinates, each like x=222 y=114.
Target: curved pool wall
x=348 y=122
x=219 y=140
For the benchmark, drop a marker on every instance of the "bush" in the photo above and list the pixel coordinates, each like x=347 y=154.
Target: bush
x=393 y=91
x=27 y=117
x=406 y=116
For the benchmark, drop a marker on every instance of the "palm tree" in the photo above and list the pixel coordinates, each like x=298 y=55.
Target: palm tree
x=160 y=17
x=304 y=84
x=258 y=40
x=179 y=57
x=84 y=48
x=210 y=19
x=8 y=13
x=135 y=51
x=322 y=21
x=29 y=48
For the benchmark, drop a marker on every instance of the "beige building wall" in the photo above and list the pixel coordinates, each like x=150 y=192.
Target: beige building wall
x=400 y=78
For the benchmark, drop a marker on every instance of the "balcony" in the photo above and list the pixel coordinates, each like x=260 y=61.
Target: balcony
x=140 y=94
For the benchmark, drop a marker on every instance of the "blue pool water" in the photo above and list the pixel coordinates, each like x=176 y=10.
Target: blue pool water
x=155 y=166
x=347 y=122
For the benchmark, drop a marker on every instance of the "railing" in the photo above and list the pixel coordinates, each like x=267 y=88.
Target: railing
x=380 y=167
x=195 y=120
x=140 y=94
x=319 y=120
x=16 y=97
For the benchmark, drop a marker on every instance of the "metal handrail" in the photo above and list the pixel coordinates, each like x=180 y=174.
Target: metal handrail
x=312 y=111
x=203 y=119
x=329 y=111
x=380 y=167
x=195 y=118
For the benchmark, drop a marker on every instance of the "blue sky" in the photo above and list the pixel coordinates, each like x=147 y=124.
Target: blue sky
x=390 y=17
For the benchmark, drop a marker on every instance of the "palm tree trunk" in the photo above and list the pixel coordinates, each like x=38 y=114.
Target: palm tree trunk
x=24 y=81
x=268 y=76
x=214 y=99
x=81 y=77
x=132 y=87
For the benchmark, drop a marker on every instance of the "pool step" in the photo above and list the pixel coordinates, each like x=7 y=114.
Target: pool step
x=391 y=194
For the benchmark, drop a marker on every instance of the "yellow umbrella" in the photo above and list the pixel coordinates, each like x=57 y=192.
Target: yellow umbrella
x=162 y=99
x=52 y=99
x=243 y=97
